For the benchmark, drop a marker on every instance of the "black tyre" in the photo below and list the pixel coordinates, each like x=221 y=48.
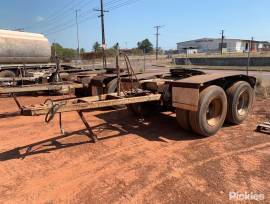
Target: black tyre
x=240 y=99
x=7 y=74
x=211 y=112
x=112 y=86
x=65 y=76
x=182 y=117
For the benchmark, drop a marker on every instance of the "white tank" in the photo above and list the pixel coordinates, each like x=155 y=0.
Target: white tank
x=22 y=47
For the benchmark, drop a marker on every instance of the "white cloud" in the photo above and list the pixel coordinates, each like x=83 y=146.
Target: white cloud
x=40 y=18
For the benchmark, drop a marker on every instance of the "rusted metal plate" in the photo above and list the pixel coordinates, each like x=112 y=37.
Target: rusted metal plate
x=154 y=85
x=185 y=98
x=16 y=79
x=145 y=76
x=200 y=80
x=45 y=87
x=150 y=75
x=87 y=104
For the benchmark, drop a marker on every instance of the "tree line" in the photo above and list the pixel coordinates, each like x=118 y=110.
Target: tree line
x=143 y=47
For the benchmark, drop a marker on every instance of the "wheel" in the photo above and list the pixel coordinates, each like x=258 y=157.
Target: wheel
x=112 y=86
x=240 y=99
x=182 y=117
x=65 y=76
x=211 y=114
x=7 y=74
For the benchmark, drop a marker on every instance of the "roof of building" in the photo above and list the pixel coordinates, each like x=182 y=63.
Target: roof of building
x=234 y=39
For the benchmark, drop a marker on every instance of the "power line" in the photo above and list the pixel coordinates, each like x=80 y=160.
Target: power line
x=56 y=17
x=111 y=2
x=69 y=5
x=62 y=12
x=129 y=2
x=63 y=27
x=53 y=14
x=65 y=20
x=67 y=23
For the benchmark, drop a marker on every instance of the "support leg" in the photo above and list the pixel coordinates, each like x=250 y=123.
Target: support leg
x=16 y=101
x=61 y=125
x=92 y=135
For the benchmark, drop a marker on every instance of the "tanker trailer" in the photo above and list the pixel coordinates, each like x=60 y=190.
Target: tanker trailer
x=22 y=50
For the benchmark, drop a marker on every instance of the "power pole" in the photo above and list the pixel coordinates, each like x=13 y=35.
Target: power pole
x=78 y=41
x=222 y=42
x=157 y=39
x=54 y=45
x=249 y=50
x=103 y=33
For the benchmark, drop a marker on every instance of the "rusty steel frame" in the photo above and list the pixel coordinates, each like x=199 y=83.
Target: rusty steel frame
x=16 y=79
x=87 y=103
x=39 y=87
x=83 y=104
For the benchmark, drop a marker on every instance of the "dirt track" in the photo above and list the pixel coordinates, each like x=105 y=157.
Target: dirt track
x=150 y=161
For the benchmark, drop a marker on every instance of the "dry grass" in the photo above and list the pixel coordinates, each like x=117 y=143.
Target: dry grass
x=263 y=87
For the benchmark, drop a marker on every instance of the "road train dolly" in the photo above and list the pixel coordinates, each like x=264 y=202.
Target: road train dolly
x=202 y=102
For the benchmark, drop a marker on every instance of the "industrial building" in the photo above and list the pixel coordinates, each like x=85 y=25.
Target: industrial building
x=213 y=45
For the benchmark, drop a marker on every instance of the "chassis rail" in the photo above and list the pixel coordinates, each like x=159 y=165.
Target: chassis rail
x=82 y=104
x=87 y=103
x=39 y=87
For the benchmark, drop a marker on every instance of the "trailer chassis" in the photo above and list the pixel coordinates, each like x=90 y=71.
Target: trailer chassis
x=202 y=102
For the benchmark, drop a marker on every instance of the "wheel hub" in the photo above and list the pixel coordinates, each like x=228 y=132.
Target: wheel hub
x=243 y=103
x=214 y=112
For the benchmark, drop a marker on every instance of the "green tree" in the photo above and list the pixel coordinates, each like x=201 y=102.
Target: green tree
x=96 y=47
x=82 y=50
x=116 y=46
x=145 y=45
x=63 y=53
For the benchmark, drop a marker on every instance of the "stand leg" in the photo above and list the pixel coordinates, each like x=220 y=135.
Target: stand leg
x=61 y=125
x=92 y=135
x=17 y=102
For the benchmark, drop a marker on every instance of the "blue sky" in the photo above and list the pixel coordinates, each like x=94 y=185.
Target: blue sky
x=182 y=20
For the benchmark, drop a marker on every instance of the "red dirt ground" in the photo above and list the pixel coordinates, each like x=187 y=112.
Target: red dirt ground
x=135 y=161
